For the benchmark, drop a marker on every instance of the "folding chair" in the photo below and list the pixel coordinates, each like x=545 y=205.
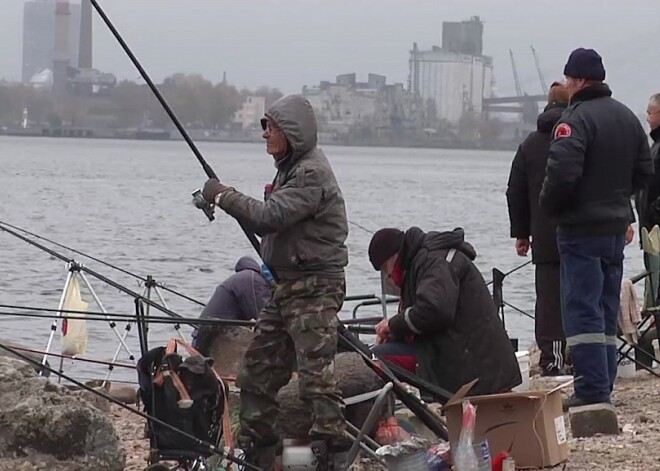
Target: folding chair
x=653 y=314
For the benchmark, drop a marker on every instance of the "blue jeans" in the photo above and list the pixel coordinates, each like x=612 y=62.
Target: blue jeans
x=591 y=272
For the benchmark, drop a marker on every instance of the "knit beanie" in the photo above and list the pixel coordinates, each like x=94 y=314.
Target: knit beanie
x=385 y=243
x=585 y=64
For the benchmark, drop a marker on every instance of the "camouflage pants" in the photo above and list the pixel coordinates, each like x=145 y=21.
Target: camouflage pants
x=297 y=325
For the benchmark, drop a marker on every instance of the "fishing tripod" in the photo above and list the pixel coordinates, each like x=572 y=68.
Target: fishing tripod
x=75 y=274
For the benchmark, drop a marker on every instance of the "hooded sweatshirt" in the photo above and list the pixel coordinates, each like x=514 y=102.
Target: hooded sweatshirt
x=303 y=219
x=446 y=304
x=242 y=296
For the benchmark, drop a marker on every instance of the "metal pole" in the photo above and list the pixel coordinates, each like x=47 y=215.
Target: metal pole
x=113 y=326
x=53 y=326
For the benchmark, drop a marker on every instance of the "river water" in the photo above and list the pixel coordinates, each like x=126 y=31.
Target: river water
x=128 y=203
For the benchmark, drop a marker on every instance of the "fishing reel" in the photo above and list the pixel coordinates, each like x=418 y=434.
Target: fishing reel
x=201 y=203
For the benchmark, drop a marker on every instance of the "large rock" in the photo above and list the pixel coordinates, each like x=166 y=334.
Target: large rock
x=354 y=377
x=47 y=425
x=228 y=347
x=592 y=419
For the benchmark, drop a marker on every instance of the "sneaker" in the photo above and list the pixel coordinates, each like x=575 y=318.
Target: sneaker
x=553 y=371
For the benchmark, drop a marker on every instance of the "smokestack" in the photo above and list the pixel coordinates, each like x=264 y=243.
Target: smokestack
x=85 y=48
x=61 y=61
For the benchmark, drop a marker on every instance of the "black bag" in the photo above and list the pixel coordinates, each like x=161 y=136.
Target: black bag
x=203 y=419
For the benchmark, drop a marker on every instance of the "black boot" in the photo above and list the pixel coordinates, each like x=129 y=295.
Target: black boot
x=259 y=455
x=331 y=452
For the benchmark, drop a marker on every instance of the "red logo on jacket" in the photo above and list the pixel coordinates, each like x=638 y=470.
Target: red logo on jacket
x=562 y=130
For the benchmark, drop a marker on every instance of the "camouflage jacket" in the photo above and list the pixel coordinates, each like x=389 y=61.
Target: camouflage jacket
x=303 y=220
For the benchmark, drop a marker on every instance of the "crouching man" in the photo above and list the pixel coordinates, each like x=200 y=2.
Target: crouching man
x=447 y=326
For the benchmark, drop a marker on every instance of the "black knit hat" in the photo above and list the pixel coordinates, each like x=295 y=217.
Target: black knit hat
x=385 y=243
x=585 y=64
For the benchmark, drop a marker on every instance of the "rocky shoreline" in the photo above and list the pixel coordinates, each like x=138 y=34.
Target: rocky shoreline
x=39 y=418
x=634 y=449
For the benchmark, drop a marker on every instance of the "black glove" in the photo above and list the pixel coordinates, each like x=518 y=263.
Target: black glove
x=213 y=188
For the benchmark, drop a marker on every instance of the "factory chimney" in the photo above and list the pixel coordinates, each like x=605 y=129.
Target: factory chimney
x=61 y=59
x=85 y=48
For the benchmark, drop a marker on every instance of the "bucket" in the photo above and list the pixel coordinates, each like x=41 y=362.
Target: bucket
x=523 y=363
x=625 y=368
x=416 y=461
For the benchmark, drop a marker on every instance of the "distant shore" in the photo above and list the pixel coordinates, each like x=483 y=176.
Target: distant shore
x=166 y=135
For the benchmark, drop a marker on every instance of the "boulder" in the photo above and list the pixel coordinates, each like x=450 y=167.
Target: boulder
x=33 y=356
x=592 y=419
x=354 y=376
x=46 y=424
x=228 y=347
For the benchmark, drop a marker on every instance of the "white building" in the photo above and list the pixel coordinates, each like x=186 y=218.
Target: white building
x=250 y=114
x=348 y=105
x=456 y=83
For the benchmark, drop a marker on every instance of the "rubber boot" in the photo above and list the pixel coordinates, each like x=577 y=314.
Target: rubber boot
x=262 y=457
x=331 y=453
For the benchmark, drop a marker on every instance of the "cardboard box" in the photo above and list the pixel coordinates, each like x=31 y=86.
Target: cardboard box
x=530 y=424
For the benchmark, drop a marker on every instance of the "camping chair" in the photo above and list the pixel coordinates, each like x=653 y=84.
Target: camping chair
x=361 y=439
x=651 y=320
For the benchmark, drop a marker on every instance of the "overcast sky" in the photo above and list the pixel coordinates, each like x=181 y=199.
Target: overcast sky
x=290 y=43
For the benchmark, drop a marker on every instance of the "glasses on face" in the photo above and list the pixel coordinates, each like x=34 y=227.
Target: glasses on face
x=269 y=127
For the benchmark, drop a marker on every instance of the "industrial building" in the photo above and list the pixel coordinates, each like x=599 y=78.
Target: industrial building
x=348 y=105
x=456 y=77
x=57 y=47
x=39 y=34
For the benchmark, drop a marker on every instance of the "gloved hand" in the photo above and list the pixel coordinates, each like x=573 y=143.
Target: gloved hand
x=213 y=188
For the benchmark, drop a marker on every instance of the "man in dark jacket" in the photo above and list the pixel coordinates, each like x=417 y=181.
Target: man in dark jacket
x=598 y=158
x=447 y=310
x=304 y=228
x=647 y=202
x=528 y=220
x=242 y=296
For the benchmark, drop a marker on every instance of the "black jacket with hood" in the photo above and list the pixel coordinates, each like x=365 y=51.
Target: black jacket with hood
x=524 y=187
x=446 y=304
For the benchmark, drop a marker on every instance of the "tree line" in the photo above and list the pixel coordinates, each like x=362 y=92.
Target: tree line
x=197 y=102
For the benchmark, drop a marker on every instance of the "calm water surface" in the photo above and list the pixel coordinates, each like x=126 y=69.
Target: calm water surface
x=128 y=202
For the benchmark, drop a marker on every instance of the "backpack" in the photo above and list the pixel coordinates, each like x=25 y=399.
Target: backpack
x=185 y=393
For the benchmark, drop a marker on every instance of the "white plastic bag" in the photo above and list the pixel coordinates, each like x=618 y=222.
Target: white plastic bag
x=465 y=458
x=74 y=329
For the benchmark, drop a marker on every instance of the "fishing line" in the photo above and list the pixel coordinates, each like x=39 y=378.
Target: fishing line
x=146 y=280
x=211 y=448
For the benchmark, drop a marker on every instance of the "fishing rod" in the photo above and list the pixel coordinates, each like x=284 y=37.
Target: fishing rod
x=198 y=199
x=430 y=419
x=77 y=266
x=127 y=319
x=93 y=315
x=99 y=362
x=504 y=275
x=201 y=443
x=69 y=357
x=146 y=280
x=102 y=316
